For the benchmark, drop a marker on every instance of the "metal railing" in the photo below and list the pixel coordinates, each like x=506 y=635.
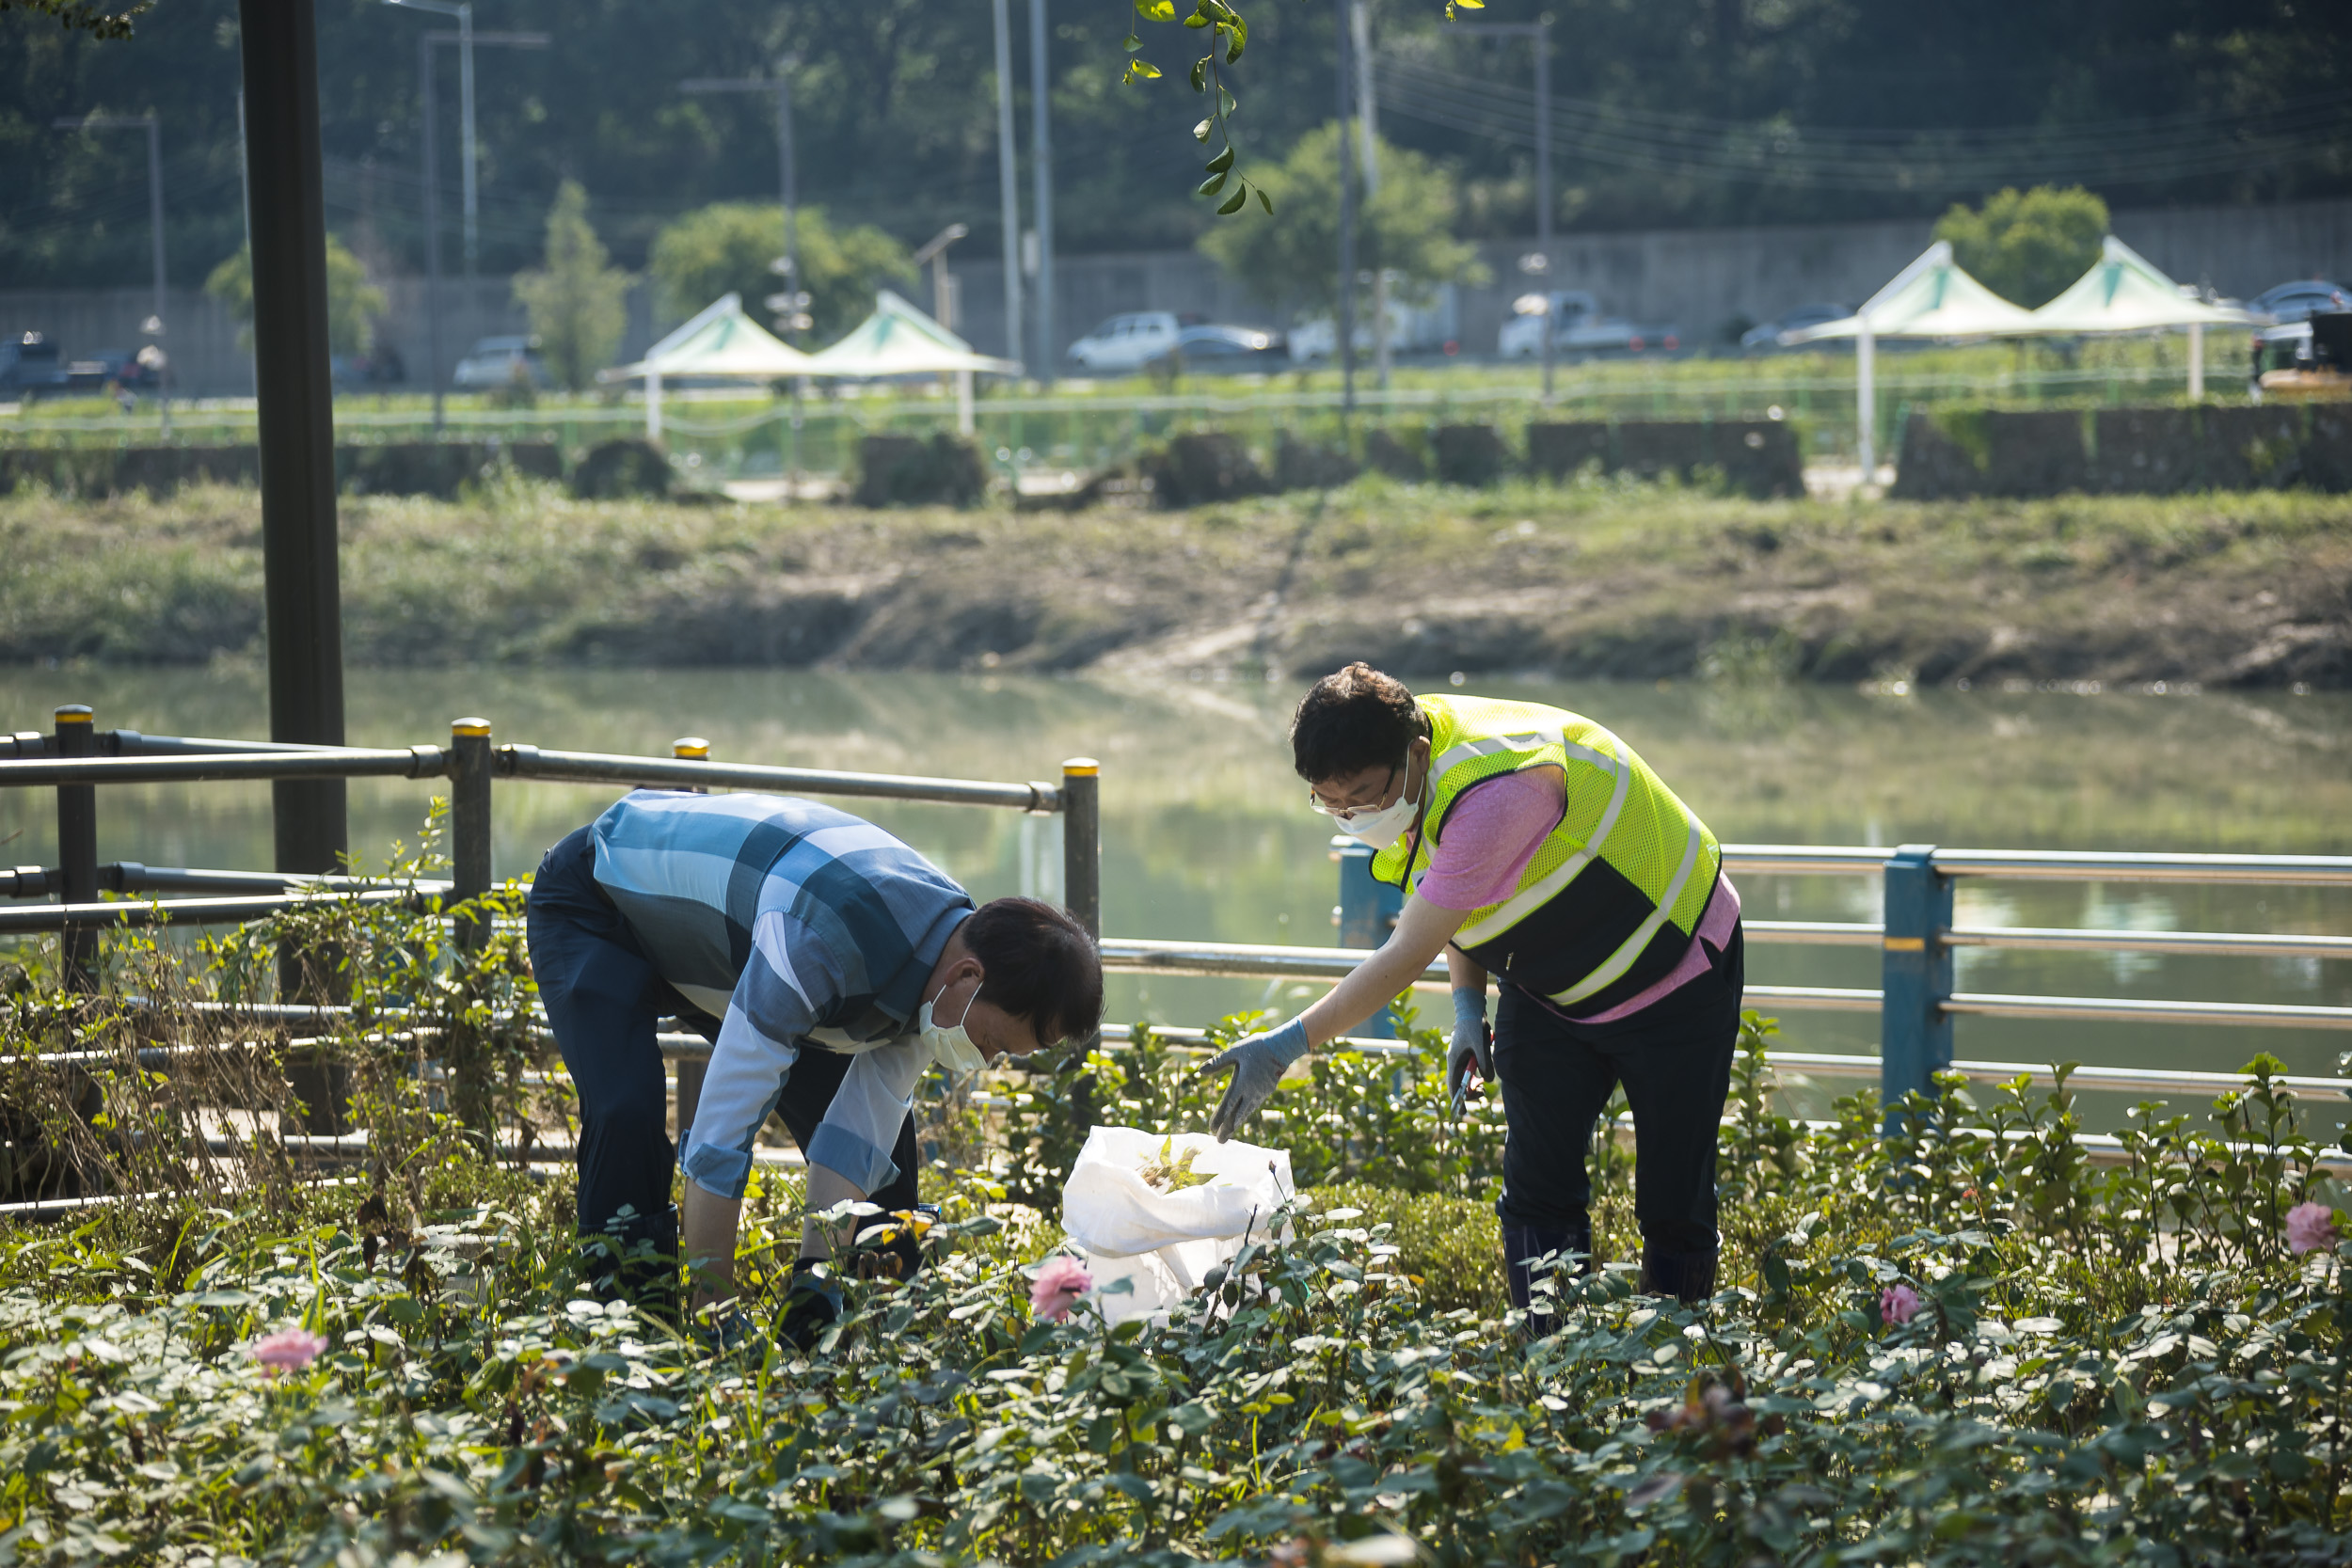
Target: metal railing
x=1916 y=940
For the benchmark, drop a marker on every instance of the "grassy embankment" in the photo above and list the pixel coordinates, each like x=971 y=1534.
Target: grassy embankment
x=1585 y=580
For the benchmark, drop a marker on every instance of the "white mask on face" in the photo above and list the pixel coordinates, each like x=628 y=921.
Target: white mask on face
x=1382 y=828
x=950 y=1046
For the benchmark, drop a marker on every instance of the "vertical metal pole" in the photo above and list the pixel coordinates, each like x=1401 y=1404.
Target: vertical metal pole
x=303 y=595
x=465 y=115
x=1344 y=328
x=1866 y=399
x=1915 y=1031
x=1041 y=175
x=1543 y=184
x=2196 y=361
x=690 y=1072
x=1008 y=181
x=77 y=843
x=1367 y=912
x=1082 y=842
x=788 y=178
x=432 y=227
x=155 y=223
x=469 y=825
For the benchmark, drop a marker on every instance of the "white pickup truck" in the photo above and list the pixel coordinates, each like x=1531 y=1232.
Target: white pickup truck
x=1127 y=343
x=1578 y=328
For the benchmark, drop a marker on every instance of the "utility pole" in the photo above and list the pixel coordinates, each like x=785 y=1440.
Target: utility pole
x=465 y=38
x=1007 y=181
x=1345 y=329
x=153 y=326
x=302 y=593
x=1041 y=171
x=791 y=305
x=1540 y=31
x=1368 y=142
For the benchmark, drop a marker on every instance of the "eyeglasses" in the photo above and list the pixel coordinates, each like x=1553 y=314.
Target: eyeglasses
x=1345 y=815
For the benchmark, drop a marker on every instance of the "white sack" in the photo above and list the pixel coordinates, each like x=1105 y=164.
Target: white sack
x=1165 y=1242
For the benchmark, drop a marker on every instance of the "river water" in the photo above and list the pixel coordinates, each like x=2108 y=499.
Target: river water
x=1206 y=834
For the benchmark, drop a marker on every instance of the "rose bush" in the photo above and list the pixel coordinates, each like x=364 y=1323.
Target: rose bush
x=2141 y=1362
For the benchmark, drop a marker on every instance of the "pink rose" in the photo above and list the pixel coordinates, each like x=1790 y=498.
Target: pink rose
x=2310 y=1228
x=289 y=1350
x=1898 y=1304
x=1058 y=1284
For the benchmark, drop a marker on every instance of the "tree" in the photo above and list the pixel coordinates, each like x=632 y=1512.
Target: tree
x=727 y=248
x=577 y=302
x=2027 y=246
x=86 y=16
x=352 y=303
x=1290 y=256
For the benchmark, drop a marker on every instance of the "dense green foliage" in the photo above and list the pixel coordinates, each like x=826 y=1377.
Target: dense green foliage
x=730 y=247
x=2105 y=1363
x=352 y=303
x=1687 y=112
x=2027 y=246
x=577 y=302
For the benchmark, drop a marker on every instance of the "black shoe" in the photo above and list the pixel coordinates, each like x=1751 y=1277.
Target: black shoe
x=1523 y=1246
x=1686 y=1276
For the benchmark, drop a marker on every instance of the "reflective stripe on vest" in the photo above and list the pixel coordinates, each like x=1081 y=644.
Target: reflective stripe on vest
x=1622 y=960
x=1547 y=887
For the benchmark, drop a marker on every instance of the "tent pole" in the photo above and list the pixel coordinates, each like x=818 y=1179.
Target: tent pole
x=963 y=402
x=2197 y=361
x=652 y=407
x=1866 y=399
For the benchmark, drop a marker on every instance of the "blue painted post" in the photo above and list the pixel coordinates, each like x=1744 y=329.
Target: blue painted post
x=1367 y=914
x=1914 y=1032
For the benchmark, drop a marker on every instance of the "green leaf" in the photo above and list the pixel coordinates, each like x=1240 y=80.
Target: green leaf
x=1200 y=132
x=1233 y=202
x=1213 y=184
x=1263 y=201
x=1222 y=161
x=1156 y=10
x=1200 y=83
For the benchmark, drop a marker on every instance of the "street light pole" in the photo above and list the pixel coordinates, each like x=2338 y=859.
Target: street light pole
x=794 y=298
x=1041 y=172
x=1540 y=31
x=1344 y=328
x=432 y=233
x=1009 y=181
x=154 y=325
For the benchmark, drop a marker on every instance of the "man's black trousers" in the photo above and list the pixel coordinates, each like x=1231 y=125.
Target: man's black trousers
x=1674 y=1058
x=605 y=1002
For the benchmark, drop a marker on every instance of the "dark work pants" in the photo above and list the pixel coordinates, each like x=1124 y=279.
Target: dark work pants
x=1674 y=1058
x=604 y=1002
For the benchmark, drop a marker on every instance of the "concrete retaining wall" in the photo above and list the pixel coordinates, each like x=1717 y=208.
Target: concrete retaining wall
x=1955 y=452
x=403 y=468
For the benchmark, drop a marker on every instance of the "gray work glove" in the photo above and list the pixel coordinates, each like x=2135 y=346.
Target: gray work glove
x=1472 y=1046
x=1258 y=1063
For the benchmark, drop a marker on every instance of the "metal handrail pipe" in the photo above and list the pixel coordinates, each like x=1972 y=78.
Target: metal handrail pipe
x=2060 y=938
x=1817 y=999
x=2271 y=1015
x=412 y=762
x=1821 y=1064
x=130 y=743
x=1240 y=960
x=187 y=912
x=1813 y=933
x=532 y=762
x=32 y=881
x=2078 y=865
x=1804 y=859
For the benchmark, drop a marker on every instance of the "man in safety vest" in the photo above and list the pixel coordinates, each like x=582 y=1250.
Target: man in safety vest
x=1535 y=846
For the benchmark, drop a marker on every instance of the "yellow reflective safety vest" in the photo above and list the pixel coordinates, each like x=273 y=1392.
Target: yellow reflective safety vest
x=1608 y=905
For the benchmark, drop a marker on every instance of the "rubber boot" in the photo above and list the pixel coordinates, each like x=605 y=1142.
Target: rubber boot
x=1686 y=1276
x=1523 y=1245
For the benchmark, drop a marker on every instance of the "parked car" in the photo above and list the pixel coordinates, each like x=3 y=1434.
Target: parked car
x=1796 y=319
x=2301 y=299
x=111 y=367
x=1424 y=328
x=1579 y=329
x=494 y=363
x=30 y=365
x=1219 y=348
x=1127 y=343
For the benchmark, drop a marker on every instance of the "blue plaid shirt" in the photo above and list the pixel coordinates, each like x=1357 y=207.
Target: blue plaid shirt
x=796 y=925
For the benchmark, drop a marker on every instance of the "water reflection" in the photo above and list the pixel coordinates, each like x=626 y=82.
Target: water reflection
x=1205 y=835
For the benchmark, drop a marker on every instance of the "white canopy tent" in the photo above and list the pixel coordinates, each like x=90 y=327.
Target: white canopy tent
x=2125 y=292
x=900 y=339
x=719 y=341
x=1931 y=299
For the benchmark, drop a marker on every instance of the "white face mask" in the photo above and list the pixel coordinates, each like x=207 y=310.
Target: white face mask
x=950 y=1047
x=1381 y=828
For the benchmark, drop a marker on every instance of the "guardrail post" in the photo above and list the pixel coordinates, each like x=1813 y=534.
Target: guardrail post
x=77 y=843
x=1916 y=1033
x=689 y=1071
x=469 y=825
x=1366 y=913
x=1082 y=842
